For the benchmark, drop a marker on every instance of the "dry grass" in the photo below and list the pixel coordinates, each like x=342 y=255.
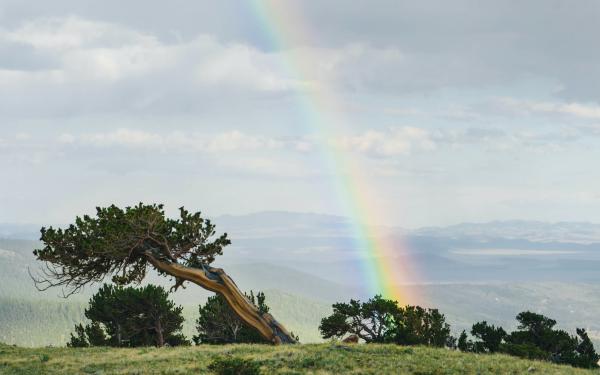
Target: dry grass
x=297 y=359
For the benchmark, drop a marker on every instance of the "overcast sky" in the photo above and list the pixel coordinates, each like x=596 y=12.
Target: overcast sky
x=453 y=111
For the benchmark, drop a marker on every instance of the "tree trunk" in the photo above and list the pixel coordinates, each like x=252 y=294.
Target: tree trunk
x=216 y=280
x=119 y=334
x=159 y=334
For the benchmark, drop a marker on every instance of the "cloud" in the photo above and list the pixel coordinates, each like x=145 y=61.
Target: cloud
x=398 y=141
x=99 y=67
x=227 y=154
x=85 y=66
x=573 y=109
x=244 y=66
x=423 y=46
x=173 y=141
x=69 y=33
x=394 y=141
x=496 y=139
x=107 y=59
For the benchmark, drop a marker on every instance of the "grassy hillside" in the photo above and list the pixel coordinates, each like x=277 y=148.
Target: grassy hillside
x=40 y=322
x=298 y=359
x=300 y=292
x=27 y=322
x=570 y=304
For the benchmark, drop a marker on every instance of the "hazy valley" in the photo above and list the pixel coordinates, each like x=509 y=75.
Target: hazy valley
x=305 y=262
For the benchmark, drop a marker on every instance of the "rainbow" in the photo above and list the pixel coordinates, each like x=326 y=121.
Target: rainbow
x=322 y=111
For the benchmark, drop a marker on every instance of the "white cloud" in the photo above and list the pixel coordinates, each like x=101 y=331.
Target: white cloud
x=235 y=152
x=495 y=139
x=68 y=33
x=579 y=110
x=106 y=60
x=173 y=141
x=382 y=144
x=242 y=65
x=235 y=140
x=395 y=141
x=104 y=67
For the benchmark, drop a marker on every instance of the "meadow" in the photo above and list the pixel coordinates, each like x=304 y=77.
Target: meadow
x=329 y=358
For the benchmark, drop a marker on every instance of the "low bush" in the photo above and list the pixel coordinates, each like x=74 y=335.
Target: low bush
x=234 y=366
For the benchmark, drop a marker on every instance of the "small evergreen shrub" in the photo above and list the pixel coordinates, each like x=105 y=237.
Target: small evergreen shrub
x=234 y=366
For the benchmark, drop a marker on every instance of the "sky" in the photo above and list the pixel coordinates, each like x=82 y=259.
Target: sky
x=450 y=112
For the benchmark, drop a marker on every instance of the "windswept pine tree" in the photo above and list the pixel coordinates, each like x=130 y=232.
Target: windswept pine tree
x=130 y=317
x=124 y=243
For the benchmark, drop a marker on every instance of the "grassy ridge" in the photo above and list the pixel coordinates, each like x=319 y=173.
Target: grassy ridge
x=28 y=322
x=297 y=359
x=41 y=322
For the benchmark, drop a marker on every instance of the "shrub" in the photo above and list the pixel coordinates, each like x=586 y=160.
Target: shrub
x=219 y=324
x=464 y=344
x=79 y=339
x=380 y=320
x=419 y=326
x=130 y=317
x=528 y=351
x=372 y=321
x=535 y=338
x=490 y=337
x=234 y=366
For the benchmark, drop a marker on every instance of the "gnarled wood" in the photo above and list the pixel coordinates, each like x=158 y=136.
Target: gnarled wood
x=216 y=280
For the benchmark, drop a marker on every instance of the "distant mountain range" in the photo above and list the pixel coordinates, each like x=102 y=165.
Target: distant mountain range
x=325 y=247
x=535 y=231
x=285 y=224
x=470 y=271
x=19 y=231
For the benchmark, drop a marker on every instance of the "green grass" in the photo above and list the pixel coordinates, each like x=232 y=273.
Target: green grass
x=295 y=359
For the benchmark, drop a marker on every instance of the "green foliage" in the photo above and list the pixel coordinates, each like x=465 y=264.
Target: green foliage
x=95 y=334
x=528 y=351
x=490 y=337
x=219 y=324
x=337 y=325
x=322 y=359
x=586 y=354
x=42 y=322
x=380 y=320
x=536 y=324
x=418 y=326
x=372 y=321
x=177 y=339
x=536 y=330
x=130 y=317
x=464 y=344
x=118 y=242
x=535 y=338
x=79 y=338
x=234 y=366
